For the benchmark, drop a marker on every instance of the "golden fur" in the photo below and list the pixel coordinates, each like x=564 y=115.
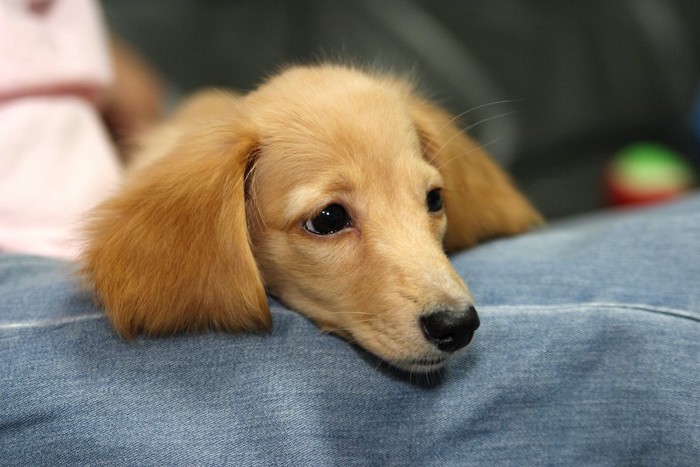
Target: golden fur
x=213 y=213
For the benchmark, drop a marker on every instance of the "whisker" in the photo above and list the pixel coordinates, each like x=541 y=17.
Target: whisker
x=478 y=107
x=475 y=148
x=488 y=119
x=222 y=93
x=467 y=128
x=466 y=112
x=363 y=321
x=359 y=313
x=379 y=364
x=473 y=109
x=353 y=340
x=444 y=145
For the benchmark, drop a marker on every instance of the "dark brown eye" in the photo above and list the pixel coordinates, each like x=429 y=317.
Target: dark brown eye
x=434 y=200
x=332 y=219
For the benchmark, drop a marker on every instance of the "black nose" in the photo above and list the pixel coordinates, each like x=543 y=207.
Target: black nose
x=450 y=330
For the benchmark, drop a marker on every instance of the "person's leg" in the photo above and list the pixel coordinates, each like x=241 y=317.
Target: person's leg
x=587 y=354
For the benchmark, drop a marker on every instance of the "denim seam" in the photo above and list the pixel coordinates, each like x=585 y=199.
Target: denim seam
x=675 y=312
x=531 y=308
x=49 y=322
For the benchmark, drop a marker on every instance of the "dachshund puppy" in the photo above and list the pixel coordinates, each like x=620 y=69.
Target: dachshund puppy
x=336 y=190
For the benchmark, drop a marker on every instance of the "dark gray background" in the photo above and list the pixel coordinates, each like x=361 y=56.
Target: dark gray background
x=581 y=78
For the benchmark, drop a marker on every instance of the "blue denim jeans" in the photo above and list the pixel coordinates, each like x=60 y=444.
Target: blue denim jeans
x=588 y=354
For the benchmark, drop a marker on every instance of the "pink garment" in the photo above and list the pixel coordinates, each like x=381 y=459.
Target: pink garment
x=56 y=158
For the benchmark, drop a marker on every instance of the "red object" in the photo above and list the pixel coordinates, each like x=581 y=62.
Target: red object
x=618 y=194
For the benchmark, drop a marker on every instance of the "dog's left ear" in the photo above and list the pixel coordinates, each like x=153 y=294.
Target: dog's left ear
x=480 y=200
x=171 y=251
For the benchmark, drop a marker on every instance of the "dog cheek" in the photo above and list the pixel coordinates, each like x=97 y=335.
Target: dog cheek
x=266 y=250
x=289 y=272
x=440 y=228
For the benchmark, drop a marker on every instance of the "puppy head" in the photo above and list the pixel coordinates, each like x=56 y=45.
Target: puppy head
x=357 y=185
x=333 y=188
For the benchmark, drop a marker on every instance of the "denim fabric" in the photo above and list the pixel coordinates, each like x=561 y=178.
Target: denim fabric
x=588 y=354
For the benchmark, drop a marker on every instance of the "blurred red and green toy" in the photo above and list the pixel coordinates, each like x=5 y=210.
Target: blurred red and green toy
x=646 y=173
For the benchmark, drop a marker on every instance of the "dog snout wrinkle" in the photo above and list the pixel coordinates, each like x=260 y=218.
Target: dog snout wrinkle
x=450 y=330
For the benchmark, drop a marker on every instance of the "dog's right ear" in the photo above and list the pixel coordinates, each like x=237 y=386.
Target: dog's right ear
x=481 y=201
x=171 y=252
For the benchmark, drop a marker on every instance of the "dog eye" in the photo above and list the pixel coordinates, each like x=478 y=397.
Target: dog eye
x=332 y=219
x=434 y=200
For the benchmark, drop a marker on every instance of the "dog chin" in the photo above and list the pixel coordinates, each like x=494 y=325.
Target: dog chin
x=421 y=365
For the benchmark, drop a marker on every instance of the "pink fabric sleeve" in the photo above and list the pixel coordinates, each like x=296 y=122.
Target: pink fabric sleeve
x=52 y=46
x=56 y=159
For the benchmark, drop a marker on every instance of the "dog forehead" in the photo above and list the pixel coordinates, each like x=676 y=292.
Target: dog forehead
x=331 y=127
x=331 y=106
x=343 y=150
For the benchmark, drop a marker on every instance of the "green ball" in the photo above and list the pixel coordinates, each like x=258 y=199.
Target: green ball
x=652 y=167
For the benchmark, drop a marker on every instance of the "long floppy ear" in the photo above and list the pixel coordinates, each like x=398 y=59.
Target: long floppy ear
x=171 y=252
x=480 y=200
